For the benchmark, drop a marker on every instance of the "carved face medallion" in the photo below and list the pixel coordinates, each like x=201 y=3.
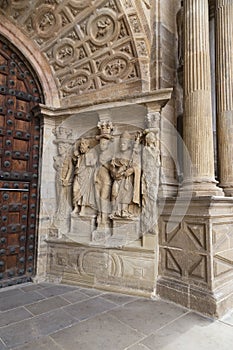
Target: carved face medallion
x=103 y=27
x=46 y=21
x=115 y=67
x=64 y=52
x=78 y=82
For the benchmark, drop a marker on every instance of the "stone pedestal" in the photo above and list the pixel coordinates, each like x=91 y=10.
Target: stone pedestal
x=125 y=231
x=196 y=254
x=81 y=228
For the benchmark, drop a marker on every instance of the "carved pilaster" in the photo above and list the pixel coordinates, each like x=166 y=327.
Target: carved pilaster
x=198 y=131
x=224 y=60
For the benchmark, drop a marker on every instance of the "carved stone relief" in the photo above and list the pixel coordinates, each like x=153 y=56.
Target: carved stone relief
x=63 y=179
x=89 y=44
x=107 y=185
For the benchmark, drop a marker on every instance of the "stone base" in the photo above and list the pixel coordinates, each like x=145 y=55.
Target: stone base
x=196 y=254
x=81 y=228
x=126 y=231
x=100 y=236
x=200 y=189
x=131 y=271
x=215 y=304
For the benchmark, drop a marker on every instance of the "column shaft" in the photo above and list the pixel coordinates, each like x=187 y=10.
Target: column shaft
x=224 y=78
x=198 y=130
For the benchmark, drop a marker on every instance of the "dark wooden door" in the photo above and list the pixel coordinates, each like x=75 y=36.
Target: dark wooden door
x=19 y=159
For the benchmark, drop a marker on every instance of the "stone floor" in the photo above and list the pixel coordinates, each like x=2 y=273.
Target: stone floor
x=52 y=317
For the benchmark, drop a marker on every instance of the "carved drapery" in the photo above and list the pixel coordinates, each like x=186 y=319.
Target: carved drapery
x=112 y=182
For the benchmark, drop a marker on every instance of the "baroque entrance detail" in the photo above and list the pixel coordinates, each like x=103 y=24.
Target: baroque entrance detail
x=19 y=159
x=126 y=203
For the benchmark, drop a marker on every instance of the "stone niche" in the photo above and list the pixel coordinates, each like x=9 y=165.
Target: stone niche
x=107 y=168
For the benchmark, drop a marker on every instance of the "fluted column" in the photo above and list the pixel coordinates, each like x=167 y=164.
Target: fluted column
x=224 y=79
x=198 y=130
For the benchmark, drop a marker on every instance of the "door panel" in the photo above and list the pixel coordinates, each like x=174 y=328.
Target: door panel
x=19 y=157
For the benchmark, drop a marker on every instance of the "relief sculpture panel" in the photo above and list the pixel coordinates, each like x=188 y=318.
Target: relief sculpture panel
x=107 y=185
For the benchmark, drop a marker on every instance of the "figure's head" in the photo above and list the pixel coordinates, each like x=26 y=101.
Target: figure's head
x=84 y=146
x=104 y=143
x=150 y=138
x=125 y=141
x=62 y=148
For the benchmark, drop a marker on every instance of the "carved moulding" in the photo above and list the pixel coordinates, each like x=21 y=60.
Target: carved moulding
x=123 y=271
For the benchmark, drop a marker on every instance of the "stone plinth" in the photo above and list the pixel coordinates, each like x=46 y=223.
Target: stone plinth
x=196 y=254
x=129 y=270
x=125 y=231
x=81 y=228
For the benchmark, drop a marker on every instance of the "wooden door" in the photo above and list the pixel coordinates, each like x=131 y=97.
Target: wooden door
x=19 y=161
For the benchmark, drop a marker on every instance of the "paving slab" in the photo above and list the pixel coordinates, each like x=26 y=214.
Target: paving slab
x=75 y=296
x=89 y=308
x=12 y=301
x=23 y=332
x=148 y=315
x=13 y=316
x=45 y=343
x=47 y=305
x=192 y=332
x=119 y=299
x=52 y=291
x=102 y=332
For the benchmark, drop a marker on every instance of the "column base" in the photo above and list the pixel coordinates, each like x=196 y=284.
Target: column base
x=200 y=189
x=228 y=189
x=196 y=254
x=215 y=304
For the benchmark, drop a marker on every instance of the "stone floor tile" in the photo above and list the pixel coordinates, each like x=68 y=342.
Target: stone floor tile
x=89 y=308
x=103 y=332
x=138 y=347
x=47 y=305
x=7 y=292
x=41 y=344
x=2 y=346
x=228 y=318
x=147 y=315
x=75 y=296
x=19 y=299
x=118 y=299
x=39 y=326
x=192 y=332
x=12 y=316
x=91 y=292
x=31 y=287
x=54 y=290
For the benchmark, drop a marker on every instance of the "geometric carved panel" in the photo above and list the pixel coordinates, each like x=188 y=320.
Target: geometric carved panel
x=90 y=45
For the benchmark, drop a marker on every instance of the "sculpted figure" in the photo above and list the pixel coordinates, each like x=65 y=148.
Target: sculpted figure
x=103 y=181
x=84 y=161
x=150 y=181
x=63 y=180
x=126 y=179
